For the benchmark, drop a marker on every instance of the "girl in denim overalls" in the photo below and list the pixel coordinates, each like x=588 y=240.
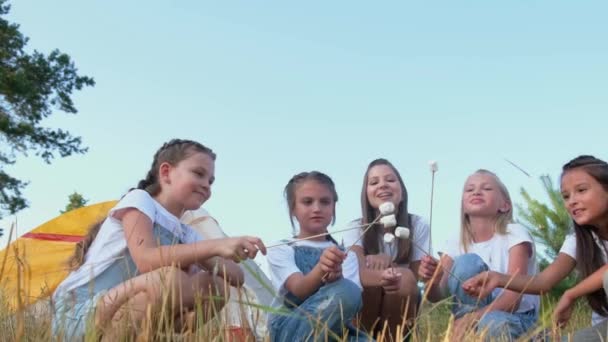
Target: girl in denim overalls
x=141 y=253
x=318 y=284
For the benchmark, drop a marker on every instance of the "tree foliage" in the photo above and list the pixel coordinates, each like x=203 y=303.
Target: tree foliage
x=32 y=86
x=75 y=201
x=549 y=225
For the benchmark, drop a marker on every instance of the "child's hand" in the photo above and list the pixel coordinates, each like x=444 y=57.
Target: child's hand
x=377 y=261
x=481 y=285
x=333 y=276
x=331 y=260
x=390 y=280
x=240 y=248
x=563 y=309
x=427 y=268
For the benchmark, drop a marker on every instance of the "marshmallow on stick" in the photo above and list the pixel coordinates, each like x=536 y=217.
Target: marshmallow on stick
x=387 y=208
x=389 y=221
x=402 y=233
x=389 y=238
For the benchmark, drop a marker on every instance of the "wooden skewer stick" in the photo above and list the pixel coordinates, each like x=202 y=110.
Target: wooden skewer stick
x=363 y=234
x=426 y=253
x=318 y=235
x=359 y=238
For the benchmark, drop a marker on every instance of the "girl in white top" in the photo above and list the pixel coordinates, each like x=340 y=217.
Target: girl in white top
x=388 y=270
x=141 y=253
x=584 y=186
x=487 y=240
x=318 y=284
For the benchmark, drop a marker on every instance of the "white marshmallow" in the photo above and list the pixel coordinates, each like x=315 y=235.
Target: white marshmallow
x=402 y=233
x=433 y=166
x=387 y=208
x=389 y=238
x=389 y=221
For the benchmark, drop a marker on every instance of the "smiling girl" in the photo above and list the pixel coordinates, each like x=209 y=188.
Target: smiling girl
x=487 y=240
x=584 y=187
x=388 y=270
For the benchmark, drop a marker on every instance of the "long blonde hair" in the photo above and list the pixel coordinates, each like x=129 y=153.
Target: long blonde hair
x=503 y=218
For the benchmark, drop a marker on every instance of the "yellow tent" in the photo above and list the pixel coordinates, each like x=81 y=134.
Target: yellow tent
x=33 y=265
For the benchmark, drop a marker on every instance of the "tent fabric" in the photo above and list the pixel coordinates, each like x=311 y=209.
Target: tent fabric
x=33 y=265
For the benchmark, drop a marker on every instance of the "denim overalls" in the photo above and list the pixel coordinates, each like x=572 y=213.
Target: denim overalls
x=74 y=310
x=495 y=323
x=331 y=307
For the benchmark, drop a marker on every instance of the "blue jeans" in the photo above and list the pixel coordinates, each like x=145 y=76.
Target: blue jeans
x=494 y=323
x=74 y=310
x=328 y=311
x=324 y=315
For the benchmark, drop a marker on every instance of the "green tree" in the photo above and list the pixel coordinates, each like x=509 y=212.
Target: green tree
x=549 y=225
x=32 y=86
x=75 y=201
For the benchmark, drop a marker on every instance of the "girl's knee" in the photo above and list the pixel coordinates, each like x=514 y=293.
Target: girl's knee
x=409 y=284
x=469 y=265
x=207 y=286
x=165 y=281
x=343 y=294
x=495 y=324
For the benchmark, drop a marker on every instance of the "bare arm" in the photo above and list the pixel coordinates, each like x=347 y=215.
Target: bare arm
x=484 y=283
x=302 y=286
x=518 y=265
x=226 y=269
x=563 y=309
x=588 y=285
x=437 y=285
x=148 y=256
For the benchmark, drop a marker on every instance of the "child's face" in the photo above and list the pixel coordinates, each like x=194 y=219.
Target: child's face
x=189 y=182
x=383 y=186
x=314 y=207
x=482 y=196
x=585 y=198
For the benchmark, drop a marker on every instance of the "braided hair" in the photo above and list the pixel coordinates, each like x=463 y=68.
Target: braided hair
x=172 y=152
x=290 y=193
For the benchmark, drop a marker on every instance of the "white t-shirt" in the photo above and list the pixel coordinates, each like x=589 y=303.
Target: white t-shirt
x=110 y=242
x=420 y=232
x=569 y=248
x=282 y=263
x=495 y=253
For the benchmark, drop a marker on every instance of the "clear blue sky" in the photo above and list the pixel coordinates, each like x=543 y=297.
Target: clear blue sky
x=277 y=88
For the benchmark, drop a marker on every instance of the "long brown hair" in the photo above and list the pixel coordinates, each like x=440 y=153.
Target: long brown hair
x=290 y=193
x=371 y=242
x=588 y=251
x=172 y=152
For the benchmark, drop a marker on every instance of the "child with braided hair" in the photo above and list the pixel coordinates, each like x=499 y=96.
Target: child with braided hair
x=141 y=253
x=316 y=280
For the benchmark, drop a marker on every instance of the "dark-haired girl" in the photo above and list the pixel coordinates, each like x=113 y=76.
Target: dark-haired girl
x=388 y=270
x=584 y=187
